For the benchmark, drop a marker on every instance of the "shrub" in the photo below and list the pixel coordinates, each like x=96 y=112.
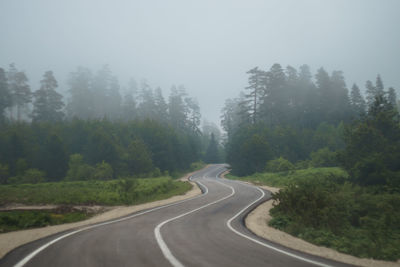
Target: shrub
x=279 y=165
x=323 y=158
x=103 y=171
x=340 y=215
x=78 y=170
x=302 y=164
x=33 y=176
x=30 y=176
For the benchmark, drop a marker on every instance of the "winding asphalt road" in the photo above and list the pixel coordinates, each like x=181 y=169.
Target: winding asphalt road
x=206 y=230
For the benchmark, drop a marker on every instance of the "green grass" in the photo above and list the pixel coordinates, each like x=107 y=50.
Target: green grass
x=113 y=192
x=25 y=219
x=282 y=179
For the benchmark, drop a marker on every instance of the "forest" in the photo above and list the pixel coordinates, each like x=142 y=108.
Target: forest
x=284 y=113
x=335 y=153
x=96 y=134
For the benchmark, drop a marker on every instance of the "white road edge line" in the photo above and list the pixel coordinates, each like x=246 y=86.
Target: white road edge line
x=27 y=258
x=228 y=223
x=157 y=231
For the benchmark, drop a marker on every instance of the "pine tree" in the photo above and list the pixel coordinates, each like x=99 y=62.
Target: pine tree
x=340 y=103
x=392 y=97
x=193 y=115
x=100 y=92
x=324 y=93
x=48 y=103
x=379 y=85
x=113 y=99
x=129 y=106
x=5 y=97
x=212 y=153
x=81 y=102
x=371 y=93
x=307 y=112
x=161 y=106
x=358 y=104
x=20 y=91
x=177 y=108
x=147 y=106
x=256 y=91
x=275 y=101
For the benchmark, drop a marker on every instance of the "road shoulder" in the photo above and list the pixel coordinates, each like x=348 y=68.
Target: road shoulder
x=12 y=240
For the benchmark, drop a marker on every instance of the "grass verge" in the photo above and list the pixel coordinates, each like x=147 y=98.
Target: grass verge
x=114 y=192
x=25 y=219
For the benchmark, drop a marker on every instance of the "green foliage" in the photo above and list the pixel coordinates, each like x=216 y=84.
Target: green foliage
x=287 y=142
x=21 y=166
x=78 y=170
x=337 y=214
x=103 y=171
x=279 y=165
x=3 y=173
x=134 y=148
x=139 y=158
x=30 y=176
x=324 y=158
x=282 y=179
x=212 y=152
x=195 y=166
x=249 y=150
x=372 y=153
x=25 y=219
x=112 y=192
x=5 y=95
x=48 y=103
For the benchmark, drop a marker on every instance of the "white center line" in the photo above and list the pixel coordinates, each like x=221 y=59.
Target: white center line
x=161 y=243
x=229 y=224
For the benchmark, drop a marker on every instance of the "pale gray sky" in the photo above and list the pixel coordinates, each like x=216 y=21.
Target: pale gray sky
x=207 y=45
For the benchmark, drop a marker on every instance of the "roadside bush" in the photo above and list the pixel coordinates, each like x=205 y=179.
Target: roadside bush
x=302 y=164
x=103 y=171
x=30 y=176
x=343 y=216
x=323 y=158
x=279 y=165
x=78 y=170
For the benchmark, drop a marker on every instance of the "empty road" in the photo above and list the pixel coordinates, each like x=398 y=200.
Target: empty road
x=206 y=230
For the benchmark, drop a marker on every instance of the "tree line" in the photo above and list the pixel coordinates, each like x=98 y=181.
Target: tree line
x=96 y=133
x=93 y=96
x=286 y=113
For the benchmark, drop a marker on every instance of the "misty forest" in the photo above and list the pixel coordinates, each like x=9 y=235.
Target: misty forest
x=321 y=133
x=97 y=132
x=284 y=120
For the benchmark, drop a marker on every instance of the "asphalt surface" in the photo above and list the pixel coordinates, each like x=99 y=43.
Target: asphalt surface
x=207 y=230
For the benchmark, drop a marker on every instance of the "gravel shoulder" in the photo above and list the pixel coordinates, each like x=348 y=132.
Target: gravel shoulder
x=257 y=222
x=12 y=240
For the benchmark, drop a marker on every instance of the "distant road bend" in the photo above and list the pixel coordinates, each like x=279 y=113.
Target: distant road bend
x=206 y=230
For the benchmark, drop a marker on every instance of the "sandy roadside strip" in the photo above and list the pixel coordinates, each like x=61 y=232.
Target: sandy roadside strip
x=257 y=222
x=11 y=240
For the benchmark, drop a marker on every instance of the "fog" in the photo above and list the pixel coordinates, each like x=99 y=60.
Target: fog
x=206 y=45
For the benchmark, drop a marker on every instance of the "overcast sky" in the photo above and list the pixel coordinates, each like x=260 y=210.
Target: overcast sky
x=207 y=45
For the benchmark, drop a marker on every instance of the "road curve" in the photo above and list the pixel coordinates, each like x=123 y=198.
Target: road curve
x=206 y=230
